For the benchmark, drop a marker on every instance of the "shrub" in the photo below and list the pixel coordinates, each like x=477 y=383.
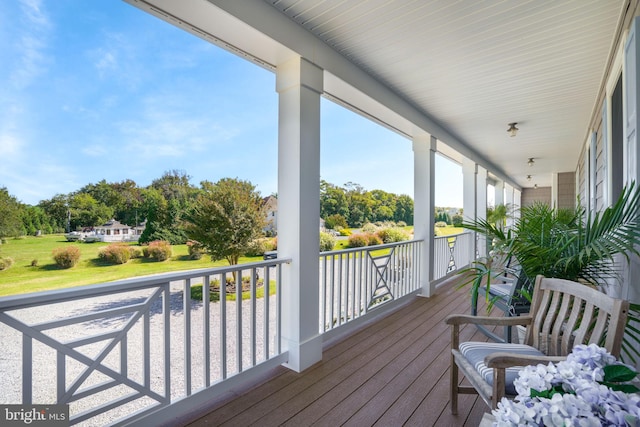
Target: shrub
x=358 y=240
x=401 y=224
x=115 y=254
x=135 y=252
x=334 y=221
x=441 y=224
x=66 y=257
x=5 y=263
x=259 y=246
x=373 y=240
x=34 y=263
x=392 y=235
x=369 y=228
x=327 y=242
x=345 y=232
x=195 y=248
x=160 y=250
x=457 y=220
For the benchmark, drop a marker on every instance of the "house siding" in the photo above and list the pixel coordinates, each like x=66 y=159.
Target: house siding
x=597 y=125
x=536 y=195
x=566 y=190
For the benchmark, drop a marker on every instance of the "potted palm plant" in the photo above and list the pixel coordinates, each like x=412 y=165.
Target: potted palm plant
x=567 y=244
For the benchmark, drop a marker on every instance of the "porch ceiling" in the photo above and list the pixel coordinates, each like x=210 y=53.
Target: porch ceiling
x=469 y=67
x=477 y=66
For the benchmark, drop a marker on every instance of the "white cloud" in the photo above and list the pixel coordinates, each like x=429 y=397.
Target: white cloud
x=34 y=179
x=106 y=61
x=166 y=128
x=10 y=147
x=117 y=59
x=95 y=150
x=32 y=44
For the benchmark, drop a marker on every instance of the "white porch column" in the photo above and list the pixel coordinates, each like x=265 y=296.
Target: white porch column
x=469 y=194
x=554 y=190
x=508 y=200
x=424 y=158
x=481 y=205
x=299 y=84
x=517 y=201
x=499 y=196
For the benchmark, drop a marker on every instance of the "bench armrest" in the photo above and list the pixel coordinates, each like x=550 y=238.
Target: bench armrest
x=461 y=319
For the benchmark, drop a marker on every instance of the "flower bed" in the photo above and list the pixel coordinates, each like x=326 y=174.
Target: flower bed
x=589 y=388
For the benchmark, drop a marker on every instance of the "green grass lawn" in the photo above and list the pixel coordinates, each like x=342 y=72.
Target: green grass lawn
x=23 y=278
x=450 y=229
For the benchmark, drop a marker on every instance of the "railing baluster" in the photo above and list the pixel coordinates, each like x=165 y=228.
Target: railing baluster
x=223 y=326
x=186 y=303
x=267 y=314
x=239 y=320
x=347 y=274
x=332 y=293
x=124 y=365
x=358 y=288
x=27 y=369
x=279 y=308
x=166 y=300
x=206 y=330
x=323 y=292
x=252 y=333
x=61 y=374
x=146 y=348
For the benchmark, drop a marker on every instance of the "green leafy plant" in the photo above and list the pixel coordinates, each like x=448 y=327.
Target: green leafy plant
x=392 y=235
x=327 y=242
x=567 y=244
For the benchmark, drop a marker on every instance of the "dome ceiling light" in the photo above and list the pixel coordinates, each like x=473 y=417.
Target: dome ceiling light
x=513 y=130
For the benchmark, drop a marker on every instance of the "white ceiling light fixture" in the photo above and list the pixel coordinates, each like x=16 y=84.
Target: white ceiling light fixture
x=530 y=162
x=513 y=130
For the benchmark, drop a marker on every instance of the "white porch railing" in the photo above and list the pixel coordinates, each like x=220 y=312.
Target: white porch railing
x=133 y=349
x=355 y=281
x=120 y=351
x=451 y=253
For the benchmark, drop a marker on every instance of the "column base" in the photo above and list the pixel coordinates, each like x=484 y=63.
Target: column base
x=303 y=355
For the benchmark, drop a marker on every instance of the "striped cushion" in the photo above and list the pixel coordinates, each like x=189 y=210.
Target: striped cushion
x=475 y=352
x=500 y=289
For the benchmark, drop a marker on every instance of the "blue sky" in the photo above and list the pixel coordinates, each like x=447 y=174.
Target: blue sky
x=98 y=90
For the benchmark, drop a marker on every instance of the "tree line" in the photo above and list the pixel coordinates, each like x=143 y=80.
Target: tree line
x=167 y=202
x=353 y=206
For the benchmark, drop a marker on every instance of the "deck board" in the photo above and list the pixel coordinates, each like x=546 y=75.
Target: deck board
x=390 y=373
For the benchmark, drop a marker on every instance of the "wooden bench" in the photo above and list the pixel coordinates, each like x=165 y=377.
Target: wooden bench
x=563 y=314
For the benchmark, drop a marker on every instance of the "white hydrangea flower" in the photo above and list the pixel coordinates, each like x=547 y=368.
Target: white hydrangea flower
x=584 y=403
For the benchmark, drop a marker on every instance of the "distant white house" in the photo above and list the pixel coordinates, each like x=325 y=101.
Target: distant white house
x=111 y=231
x=270 y=204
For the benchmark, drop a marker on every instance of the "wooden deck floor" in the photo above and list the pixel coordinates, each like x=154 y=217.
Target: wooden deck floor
x=392 y=373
